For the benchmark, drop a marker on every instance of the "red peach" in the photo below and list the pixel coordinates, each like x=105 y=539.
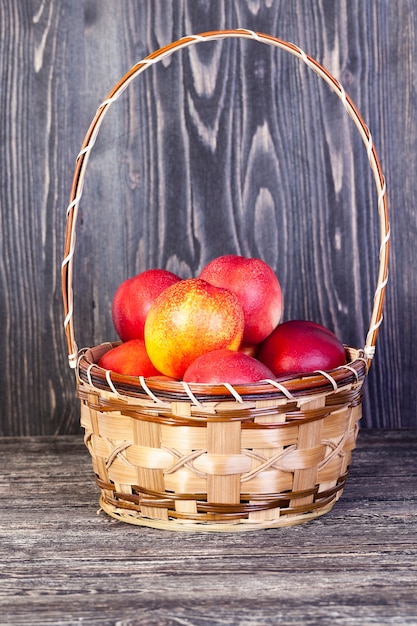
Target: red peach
x=129 y=358
x=257 y=288
x=133 y=299
x=301 y=347
x=225 y=366
x=188 y=319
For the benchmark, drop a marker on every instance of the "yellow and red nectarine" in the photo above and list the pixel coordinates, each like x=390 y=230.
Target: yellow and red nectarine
x=189 y=318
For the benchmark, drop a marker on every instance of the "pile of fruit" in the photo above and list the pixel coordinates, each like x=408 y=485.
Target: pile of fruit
x=224 y=326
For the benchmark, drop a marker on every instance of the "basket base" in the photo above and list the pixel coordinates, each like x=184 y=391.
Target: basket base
x=223 y=527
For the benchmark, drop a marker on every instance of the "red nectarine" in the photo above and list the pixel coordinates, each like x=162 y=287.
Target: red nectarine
x=301 y=347
x=129 y=358
x=257 y=288
x=133 y=299
x=226 y=366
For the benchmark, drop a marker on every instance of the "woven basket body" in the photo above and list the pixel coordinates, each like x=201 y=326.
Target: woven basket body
x=220 y=457
x=221 y=463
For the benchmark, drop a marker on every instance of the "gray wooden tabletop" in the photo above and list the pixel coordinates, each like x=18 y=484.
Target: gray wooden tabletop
x=62 y=563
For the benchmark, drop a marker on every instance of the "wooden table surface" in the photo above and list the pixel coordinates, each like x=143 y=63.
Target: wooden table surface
x=62 y=564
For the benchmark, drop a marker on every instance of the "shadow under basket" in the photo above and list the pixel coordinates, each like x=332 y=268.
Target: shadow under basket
x=216 y=457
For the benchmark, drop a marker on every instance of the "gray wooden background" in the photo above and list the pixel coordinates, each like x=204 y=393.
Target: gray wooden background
x=226 y=147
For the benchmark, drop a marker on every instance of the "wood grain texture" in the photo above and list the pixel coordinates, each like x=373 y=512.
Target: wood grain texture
x=61 y=563
x=228 y=147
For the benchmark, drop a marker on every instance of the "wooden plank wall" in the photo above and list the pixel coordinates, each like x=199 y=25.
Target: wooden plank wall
x=227 y=147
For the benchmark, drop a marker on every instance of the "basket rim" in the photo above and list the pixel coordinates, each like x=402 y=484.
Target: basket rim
x=160 y=390
x=119 y=88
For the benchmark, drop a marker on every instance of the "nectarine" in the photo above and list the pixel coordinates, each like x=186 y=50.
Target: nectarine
x=301 y=347
x=129 y=358
x=226 y=366
x=133 y=299
x=188 y=319
x=257 y=288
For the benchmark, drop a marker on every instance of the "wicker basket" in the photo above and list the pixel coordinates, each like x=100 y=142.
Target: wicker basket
x=219 y=457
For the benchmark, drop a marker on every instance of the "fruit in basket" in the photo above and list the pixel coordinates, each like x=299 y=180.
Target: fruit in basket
x=301 y=347
x=133 y=299
x=129 y=358
x=257 y=288
x=221 y=366
x=188 y=319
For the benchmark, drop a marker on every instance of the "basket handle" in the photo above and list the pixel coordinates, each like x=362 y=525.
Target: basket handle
x=155 y=57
